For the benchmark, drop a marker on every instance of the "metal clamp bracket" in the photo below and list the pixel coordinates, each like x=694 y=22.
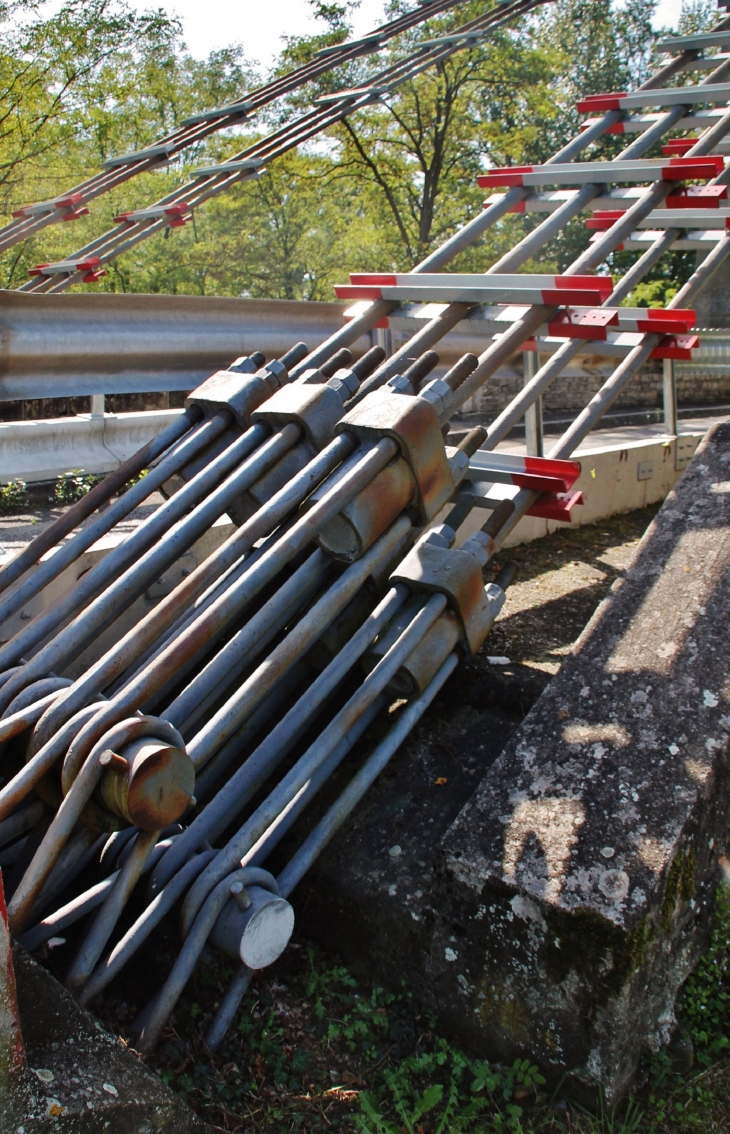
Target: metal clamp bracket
x=316 y=409
x=413 y=424
x=230 y=389
x=458 y=575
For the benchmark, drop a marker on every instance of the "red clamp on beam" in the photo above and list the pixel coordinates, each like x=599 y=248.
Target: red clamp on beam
x=603 y=219
x=92 y=277
x=678 y=347
x=38 y=269
x=70 y=201
x=681 y=168
x=667 y=320
x=678 y=146
x=562 y=473
x=610 y=101
x=385 y=278
x=696 y=197
x=556 y=506
x=602 y=284
x=82 y=212
x=589 y=325
x=357 y=291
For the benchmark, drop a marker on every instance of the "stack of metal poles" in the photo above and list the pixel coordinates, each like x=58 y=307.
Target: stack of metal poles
x=178 y=761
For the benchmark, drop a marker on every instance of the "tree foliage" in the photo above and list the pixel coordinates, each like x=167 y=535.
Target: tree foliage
x=379 y=191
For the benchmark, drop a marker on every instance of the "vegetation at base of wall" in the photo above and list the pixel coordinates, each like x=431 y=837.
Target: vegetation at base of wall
x=315 y=1049
x=71 y=486
x=12 y=495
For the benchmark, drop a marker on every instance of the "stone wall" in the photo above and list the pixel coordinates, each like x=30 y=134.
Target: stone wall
x=582 y=380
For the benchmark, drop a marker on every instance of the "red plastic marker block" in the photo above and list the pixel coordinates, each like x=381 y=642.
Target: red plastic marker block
x=603 y=284
x=384 y=278
x=92 y=277
x=38 y=270
x=556 y=506
x=610 y=101
x=82 y=212
x=565 y=473
x=70 y=201
x=590 y=325
x=603 y=219
x=696 y=197
x=690 y=167
x=678 y=347
x=357 y=291
x=678 y=146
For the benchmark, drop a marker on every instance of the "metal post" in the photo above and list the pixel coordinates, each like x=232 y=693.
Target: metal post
x=669 y=390
x=383 y=337
x=97 y=405
x=533 y=416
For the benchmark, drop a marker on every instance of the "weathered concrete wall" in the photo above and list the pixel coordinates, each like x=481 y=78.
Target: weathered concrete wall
x=557 y=913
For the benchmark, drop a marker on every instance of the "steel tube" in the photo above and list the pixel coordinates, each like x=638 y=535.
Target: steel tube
x=21 y=822
x=171 y=543
x=45 y=858
x=220 y=726
x=219 y=614
x=103 y=926
x=138 y=933
x=137 y=543
x=188 y=956
x=241 y=787
x=72 y=912
x=69 y=551
x=288 y=815
x=266 y=813
x=315 y=843
x=273 y=703
x=248 y=642
x=140 y=637
x=98 y=495
x=35 y=769
x=232 y=997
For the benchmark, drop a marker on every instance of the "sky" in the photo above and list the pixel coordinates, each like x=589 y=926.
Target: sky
x=259 y=24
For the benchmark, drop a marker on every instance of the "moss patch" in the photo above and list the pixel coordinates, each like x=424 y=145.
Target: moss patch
x=680 y=886
x=601 y=954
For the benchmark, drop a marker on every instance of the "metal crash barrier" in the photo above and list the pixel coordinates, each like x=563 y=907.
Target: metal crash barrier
x=176 y=763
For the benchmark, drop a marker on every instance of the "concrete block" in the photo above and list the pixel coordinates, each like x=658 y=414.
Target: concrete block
x=560 y=911
x=80 y=1079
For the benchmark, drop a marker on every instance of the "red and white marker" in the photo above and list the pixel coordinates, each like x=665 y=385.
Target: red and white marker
x=179 y=214
x=602 y=220
x=540 y=473
x=593 y=324
x=604 y=172
x=71 y=203
x=657 y=96
x=459 y=288
x=91 y=266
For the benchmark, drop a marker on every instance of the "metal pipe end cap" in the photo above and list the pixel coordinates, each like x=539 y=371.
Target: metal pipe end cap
x=267 y=932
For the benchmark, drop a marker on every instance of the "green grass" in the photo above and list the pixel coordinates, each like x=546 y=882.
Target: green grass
x=314 y=1049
